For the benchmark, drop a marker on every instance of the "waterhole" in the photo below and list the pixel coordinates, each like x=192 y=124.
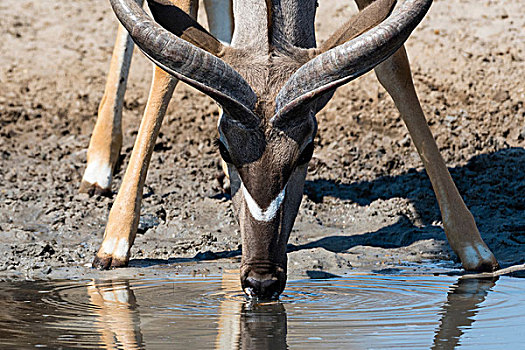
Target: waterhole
x=359 y=311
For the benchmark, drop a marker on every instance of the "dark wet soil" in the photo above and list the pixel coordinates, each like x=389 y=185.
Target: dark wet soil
x=367 y=204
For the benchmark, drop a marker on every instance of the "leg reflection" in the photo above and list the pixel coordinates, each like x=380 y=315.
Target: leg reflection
x=119 y=320
x=458 y=312
x=229 y=311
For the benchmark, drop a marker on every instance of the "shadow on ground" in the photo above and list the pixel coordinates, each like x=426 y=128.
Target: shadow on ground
x=493 y=186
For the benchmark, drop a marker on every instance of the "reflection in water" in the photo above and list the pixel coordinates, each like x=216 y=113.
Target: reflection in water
x=263 y=326
x=463 y=301
x=119 y=320
x=245 y=325
x=242 y=325
x=252 y=326
x=229 y=326
x=359 y=311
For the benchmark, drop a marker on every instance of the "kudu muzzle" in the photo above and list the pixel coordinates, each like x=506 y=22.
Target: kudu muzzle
x=265 y=234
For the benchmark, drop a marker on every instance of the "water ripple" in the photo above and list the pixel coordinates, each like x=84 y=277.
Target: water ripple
x=362 y=310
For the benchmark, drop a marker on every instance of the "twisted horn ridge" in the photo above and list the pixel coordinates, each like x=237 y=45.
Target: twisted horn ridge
x=350 y=60
x=191 y=64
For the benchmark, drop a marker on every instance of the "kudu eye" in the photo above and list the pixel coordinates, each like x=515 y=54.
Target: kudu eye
x=225 y=155
x=306 y=154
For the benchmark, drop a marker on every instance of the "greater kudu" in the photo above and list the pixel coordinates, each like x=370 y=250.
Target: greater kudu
x=270 y=83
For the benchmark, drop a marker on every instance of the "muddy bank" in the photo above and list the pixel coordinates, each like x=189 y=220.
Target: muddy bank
x=368 y=203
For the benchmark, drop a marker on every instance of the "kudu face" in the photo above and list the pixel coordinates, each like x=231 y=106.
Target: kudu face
x=270 y=84
x=267 y=168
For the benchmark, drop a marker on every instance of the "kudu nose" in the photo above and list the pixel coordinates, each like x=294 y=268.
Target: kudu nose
x=265 y=289
x=263 y=285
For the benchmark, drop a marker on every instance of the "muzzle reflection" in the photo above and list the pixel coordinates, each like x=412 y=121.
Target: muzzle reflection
x=249 y=325
x=252 y=326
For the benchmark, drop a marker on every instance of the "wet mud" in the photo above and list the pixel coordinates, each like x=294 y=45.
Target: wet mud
x=368 y=203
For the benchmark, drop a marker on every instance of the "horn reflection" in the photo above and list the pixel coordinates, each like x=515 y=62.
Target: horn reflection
x=458 y=312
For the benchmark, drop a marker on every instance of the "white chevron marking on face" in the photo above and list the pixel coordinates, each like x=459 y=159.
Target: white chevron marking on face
x=269 y=213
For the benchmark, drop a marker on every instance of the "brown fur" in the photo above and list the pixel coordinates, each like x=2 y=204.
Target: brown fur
x=264 y=147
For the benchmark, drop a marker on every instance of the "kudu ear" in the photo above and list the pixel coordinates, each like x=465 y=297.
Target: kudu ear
x=320 y=76
x=191 y=60
x=178 y=22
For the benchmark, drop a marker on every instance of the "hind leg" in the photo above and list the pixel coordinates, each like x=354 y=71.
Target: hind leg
x=220 y=19
x=462 y=234
x=106 y=140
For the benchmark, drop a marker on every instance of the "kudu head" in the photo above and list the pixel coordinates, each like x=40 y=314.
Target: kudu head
x=269 y=84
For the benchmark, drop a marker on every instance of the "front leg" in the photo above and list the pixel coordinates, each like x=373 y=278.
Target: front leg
x=460 y=227
x=462 y=234
x=125 y=213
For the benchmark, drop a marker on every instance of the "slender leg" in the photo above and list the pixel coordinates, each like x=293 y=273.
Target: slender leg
x=106 y=141
x=220 y=23
x=125 y=213
x=220 y=19
x=462 y=234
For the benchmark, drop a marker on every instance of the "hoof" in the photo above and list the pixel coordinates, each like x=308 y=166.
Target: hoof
x=485 y=266
x=106 y=263
x=97 y=178
x=224 y=183
x=478 y=258
x=94 y=189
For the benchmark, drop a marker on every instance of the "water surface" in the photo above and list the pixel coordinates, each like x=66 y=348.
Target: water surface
x=356 y=312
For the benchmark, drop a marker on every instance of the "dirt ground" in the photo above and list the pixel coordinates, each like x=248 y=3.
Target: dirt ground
x=368 y=203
